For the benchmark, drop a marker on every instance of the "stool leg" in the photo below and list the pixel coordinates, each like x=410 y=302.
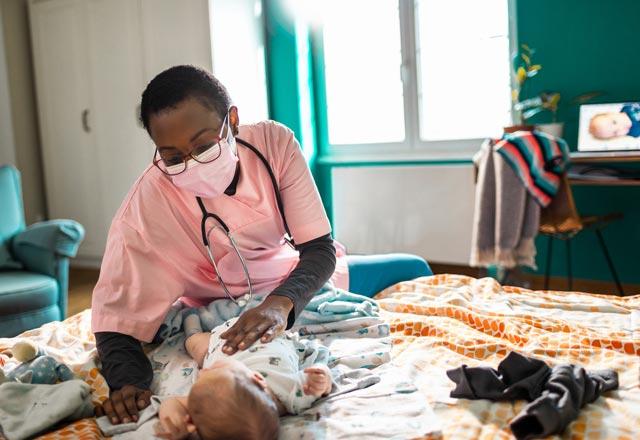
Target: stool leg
x=548 y=270
x=569 y=269
x=612 y=268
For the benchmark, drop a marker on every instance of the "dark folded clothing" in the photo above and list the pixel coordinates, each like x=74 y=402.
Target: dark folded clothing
x=556 y=394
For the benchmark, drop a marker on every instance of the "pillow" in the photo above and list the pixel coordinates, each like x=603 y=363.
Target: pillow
x=6 y=259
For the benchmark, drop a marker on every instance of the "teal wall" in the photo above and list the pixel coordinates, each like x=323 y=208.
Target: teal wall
x=586 y=45
x=282 y=70
x=289 y=73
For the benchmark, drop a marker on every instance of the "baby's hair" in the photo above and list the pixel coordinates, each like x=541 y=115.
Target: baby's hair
x=250 y=414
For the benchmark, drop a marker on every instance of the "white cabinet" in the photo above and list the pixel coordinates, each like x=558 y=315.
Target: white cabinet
x=92 y=60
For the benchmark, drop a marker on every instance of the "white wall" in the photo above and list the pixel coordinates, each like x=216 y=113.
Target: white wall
x=7 y=143
x=425 y=210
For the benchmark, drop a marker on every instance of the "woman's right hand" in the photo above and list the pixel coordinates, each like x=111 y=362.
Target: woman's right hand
x=123 y=405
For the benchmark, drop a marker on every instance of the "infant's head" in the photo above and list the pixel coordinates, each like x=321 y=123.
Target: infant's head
x=230 y=401
x=609 y=125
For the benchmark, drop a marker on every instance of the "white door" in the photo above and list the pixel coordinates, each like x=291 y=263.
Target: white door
x=175 y=32
x=71 y=172
x=123 y=149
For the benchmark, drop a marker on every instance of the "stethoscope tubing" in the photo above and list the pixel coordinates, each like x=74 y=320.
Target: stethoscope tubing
x=205 y=235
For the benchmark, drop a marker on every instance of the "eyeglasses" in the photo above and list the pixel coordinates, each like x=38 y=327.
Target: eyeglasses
x=174 y=162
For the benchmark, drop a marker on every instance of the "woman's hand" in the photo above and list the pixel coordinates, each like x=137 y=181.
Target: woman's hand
x=263 y=322
x=123 y=405
x=175 y=422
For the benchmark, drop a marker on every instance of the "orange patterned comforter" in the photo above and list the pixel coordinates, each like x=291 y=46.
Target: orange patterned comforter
x=443 y=321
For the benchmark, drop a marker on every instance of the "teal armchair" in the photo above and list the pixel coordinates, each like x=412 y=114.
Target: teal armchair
x=34 y=262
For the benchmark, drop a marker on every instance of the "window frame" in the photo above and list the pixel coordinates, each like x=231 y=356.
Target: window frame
x=413 y=147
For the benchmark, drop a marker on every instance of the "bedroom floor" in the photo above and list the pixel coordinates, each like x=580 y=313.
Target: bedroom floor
x=82 y=281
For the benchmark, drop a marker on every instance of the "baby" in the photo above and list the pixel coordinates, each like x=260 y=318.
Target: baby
x=609 y=125
x=241 y=396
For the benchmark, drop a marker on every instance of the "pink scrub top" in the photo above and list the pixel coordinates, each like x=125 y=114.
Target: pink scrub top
x=155 y=255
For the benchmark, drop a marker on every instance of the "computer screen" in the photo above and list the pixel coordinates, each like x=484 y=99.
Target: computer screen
x=609 y=127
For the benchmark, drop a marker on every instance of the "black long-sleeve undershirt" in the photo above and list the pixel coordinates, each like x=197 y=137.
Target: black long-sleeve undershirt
x=122 y=357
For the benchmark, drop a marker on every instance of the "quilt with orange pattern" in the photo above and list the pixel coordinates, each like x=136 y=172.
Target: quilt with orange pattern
x=443 y=321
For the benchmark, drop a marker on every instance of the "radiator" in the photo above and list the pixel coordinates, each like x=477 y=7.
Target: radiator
x=425 y=210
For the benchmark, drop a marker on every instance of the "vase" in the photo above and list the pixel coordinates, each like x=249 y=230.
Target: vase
x=554 y=128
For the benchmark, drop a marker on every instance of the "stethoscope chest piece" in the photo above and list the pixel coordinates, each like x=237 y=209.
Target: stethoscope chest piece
x=243 y=300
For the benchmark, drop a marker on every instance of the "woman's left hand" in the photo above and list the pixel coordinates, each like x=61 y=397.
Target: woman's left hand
x=263 y=322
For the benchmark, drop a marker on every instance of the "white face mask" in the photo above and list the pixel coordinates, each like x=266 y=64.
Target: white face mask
x=213 y=178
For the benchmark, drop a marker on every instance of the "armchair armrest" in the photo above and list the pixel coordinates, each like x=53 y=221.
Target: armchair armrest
x=41 y=244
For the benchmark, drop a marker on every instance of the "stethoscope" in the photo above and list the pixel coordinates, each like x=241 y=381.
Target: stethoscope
x=245 y=299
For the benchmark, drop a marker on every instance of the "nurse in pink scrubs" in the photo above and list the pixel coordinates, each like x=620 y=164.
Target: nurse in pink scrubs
x=253 y=185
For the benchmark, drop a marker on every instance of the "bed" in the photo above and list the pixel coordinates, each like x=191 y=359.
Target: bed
x=441 y=322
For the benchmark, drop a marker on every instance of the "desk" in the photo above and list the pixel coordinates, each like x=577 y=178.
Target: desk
x=584 y=157
x=599 y=158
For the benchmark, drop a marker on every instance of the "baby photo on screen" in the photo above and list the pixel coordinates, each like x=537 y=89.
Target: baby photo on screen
x=609 y=127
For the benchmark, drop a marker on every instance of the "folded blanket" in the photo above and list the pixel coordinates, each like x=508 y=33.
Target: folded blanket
x=109 y=429
x=538 y=160
x=328 y=305
x=506 y=217
x=29 y=409
x=557 y=393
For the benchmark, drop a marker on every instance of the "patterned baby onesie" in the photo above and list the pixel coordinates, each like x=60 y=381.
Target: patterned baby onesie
x=281 y=362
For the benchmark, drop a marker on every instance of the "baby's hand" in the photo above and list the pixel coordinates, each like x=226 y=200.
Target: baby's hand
x=318 y=381
x=197 y=346
x=175 y=423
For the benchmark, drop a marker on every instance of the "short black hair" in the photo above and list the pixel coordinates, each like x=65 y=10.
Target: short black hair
x=177 y=83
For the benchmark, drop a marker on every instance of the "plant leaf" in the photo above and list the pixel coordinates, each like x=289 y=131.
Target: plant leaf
x=528 y=103
x=531 y=112
x=521 y=75
x=588 y=96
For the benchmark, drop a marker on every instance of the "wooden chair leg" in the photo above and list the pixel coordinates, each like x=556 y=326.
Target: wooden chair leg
x=569 y=268
x=548 y=269
x=612 y=268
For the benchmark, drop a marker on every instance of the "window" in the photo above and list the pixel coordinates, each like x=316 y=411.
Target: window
x=238 y=61
x=362 y=59
x=411 y=74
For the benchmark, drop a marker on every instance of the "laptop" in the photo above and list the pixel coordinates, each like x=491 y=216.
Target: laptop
x=609 y=130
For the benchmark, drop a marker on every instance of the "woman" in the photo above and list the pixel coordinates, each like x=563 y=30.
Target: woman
x=252 y=180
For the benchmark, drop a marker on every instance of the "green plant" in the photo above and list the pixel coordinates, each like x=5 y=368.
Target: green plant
x=524 y=69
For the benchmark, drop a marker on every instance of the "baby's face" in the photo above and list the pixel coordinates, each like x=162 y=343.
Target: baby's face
x=610 y=125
